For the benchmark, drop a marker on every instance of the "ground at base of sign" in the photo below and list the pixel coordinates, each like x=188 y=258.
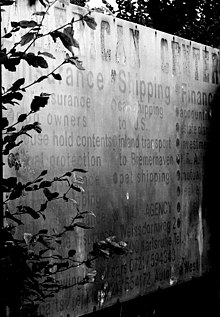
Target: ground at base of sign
x=195 y=298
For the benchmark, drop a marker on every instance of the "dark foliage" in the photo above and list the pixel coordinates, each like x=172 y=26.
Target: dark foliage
x=31 y=261
x=196 y=20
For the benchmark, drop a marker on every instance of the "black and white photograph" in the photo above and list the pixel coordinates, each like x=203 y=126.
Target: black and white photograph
x=109 y=158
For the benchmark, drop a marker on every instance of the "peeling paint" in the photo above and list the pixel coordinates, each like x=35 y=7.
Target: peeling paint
x=173 y=278
x=105 y=29
x=120 y=49
x=134 y=48
x=103 y=294
x=200 y=238
x=176 y=58
x=164 y=56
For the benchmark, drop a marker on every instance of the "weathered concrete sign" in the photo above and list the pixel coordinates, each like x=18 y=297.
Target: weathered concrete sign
x=137 y=118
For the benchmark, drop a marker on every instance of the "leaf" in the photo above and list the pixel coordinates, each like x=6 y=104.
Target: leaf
x=41 y=78
x=29 y=189
x=10 y=138
x=43 y=231
x=82 y=225
x=8 y=148
x=62 y=265
x=37 y=127
x=123 y=244
x=56 y=76
x=11 y=63
x=30 y=58
x=17 y=84
x=88 y=264
x=66 y=40
x=65 y=198
x=90 y=21
x=9 y=183
x=34 y=214
x=10 y=216
x=50 y=196
x=16 y=53
x=41 y=13
x=45 y=242
x=47 y=193
x=17 y=95
x=46 y=54
x=75 y=61
x=35 y=60
x=35 y=187
x=11 y=160
x=80 y=170
x=27 y=24
x=69 y=228
x=45 y=184
x=55 y=195
x=70 y=32
x=3 y=56
x=104 y=253
x=12 y=95
x=11 y=129
x=27 y=238
x=42 y=62
x=43 y=173
x=87 y=212
x=57 y=256
x=22 y=117
x=78 y=189
x=33 y=126
x=38 y=102
x=16 y=29
x=16 y=193
x=38 y=180
x=6 y=3
x=54 y=35
x=4 y=122
x=43 y=206
x=7 y=35
x=68 y=174
x=26 y=38
x=43 y=3
x=89 y=278
x=73 y=200
x=14 y=24
x=71 y=253
x=45 y=95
